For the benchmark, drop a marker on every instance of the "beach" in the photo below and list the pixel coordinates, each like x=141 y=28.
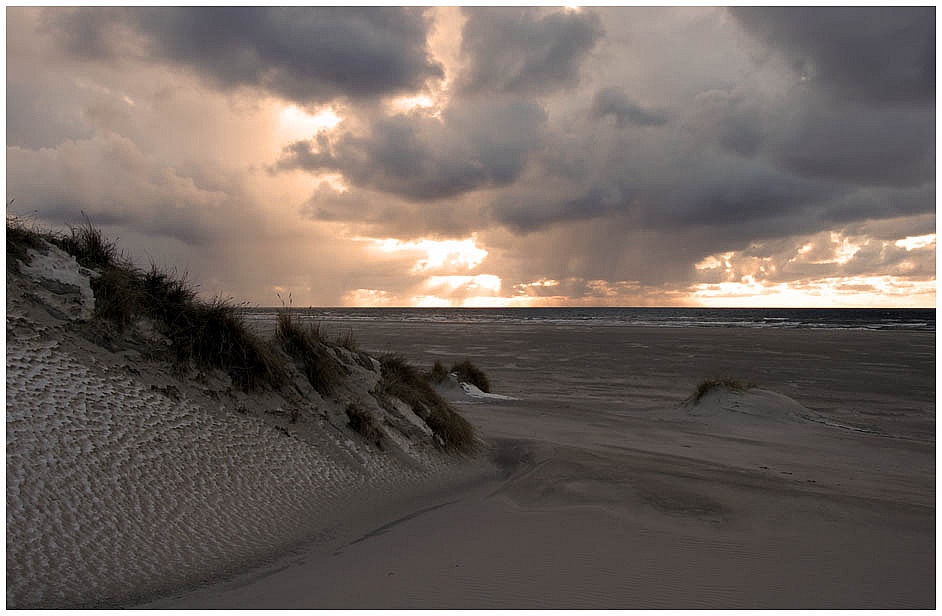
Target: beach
x=606 y=490
x=471 y=307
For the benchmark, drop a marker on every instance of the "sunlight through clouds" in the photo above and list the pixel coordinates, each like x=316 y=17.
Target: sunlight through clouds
x=916 y=242
x=408 y=103
x=436 y=254
x=830 y=267
x=296 y=123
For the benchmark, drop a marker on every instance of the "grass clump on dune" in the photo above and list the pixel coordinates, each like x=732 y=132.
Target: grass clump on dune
x=21 y=236
x=709 y=385
x=365 y=424
x=347 y=340
x=305 y=344
x=469 y=373
x=402 y=380
x=438 y=374
x=90 y=247
x=210 y=334
x=214 y=334
x=207 y=333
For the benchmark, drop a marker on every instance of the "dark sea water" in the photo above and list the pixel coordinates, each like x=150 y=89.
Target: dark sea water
x=910 y=319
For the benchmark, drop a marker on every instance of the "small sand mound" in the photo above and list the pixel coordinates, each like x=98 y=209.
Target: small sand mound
x=454 y=390
x=748 y=406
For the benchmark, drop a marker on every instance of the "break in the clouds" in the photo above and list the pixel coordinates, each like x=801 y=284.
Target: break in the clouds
x=491 y=156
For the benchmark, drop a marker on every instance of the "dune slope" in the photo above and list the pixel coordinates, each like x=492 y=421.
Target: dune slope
x=129 y=475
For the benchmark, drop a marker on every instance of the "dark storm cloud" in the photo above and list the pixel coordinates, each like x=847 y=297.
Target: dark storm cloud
x=532 y=210
x=419 y=157
x=613 y=101
x=713 y=197
x=879 y=203
x=895 y=228
x=760 y=201
x=380 y=215
x=861 y=146
x=808 y=135
x=525 y=50
x=302 y=54
x=866 y=54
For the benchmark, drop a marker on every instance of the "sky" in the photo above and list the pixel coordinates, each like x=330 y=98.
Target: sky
x=508 y=156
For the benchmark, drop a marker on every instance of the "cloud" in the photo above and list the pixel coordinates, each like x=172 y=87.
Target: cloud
x=807 y=134
x=525 y=50
x=834 y=253
x=419 y=157
x=115 y=183
x=307 y=55
x=610 y=150
x=37 y=118
x=873 y=55
x=860 y=146
x=651 y=184
x=614 y=102
x=377 y=214
x=527 y=209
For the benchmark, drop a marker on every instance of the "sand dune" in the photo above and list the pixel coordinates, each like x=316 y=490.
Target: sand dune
x=126 y=481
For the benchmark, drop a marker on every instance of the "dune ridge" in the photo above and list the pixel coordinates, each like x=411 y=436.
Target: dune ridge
x=130 y=475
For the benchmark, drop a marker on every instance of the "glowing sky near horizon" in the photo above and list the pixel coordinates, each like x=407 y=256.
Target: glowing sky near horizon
x=442 y=156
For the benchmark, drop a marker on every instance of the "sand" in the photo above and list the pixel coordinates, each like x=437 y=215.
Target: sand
x=816 y=490
x=128 y=479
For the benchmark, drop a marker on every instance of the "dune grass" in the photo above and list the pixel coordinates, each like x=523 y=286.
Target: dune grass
x=304 y=342
x=207 y=333
x=708 y=385
x=469 y=373
x=402 y=380
x=348 y=340
x=214 y=334
x=438 y=374
x=90 y=247
x=21 y=236
x=364 y=423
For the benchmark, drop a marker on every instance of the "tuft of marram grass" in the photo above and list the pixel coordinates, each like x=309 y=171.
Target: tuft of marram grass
x=709 y=385
x=304 y=343
x=438 y=374
x=167 y=292
x=347 y=340
x=364 y=423
x=214 y=334
x=90 y=247
x=21 y=236
x=207 y=333
x=469 y=373
x=402 y=380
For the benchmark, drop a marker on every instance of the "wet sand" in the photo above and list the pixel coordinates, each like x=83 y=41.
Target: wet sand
x=606 y=492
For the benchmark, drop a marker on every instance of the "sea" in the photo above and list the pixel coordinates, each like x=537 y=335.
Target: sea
x=896 y=319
